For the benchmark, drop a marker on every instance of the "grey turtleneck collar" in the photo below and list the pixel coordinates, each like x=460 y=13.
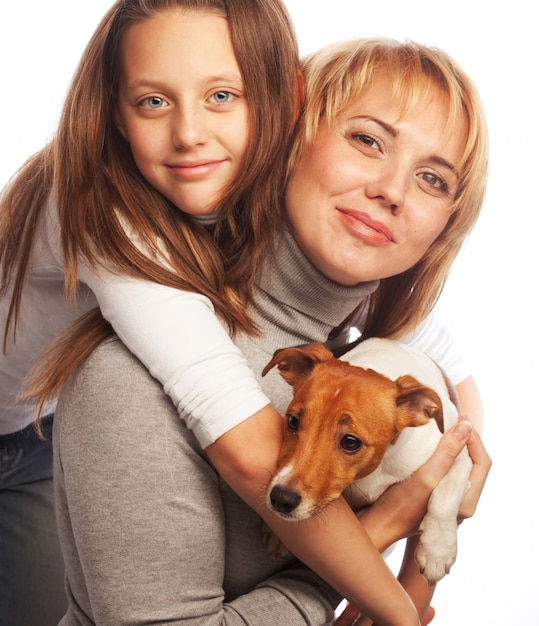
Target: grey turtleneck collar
x=295 y=297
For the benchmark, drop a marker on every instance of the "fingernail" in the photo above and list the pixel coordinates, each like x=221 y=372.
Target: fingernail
x=462 y=429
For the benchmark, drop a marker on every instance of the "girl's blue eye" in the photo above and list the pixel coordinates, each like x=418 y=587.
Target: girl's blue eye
x=222 y=97
x=154 y=102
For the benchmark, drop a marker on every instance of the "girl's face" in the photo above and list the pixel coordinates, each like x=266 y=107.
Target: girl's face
x=182 y=108
x=373 y=192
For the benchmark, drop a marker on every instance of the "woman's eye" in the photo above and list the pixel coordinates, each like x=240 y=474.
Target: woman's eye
x=222 y=97
x=435 y=181
x=366 y=140
x=154 y=102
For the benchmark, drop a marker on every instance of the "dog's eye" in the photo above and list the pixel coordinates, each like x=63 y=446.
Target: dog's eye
x=292 y=422
x=350 y=444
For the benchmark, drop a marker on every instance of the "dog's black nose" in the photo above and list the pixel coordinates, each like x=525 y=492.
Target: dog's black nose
x=284 y=501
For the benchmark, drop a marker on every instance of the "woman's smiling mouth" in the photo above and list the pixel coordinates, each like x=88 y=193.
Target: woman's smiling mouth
x=371 y=231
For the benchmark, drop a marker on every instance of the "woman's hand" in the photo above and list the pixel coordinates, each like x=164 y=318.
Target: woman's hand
x=400 y=509
x=480 y=470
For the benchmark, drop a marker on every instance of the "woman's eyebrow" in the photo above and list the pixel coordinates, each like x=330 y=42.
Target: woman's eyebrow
x=444 y=163
x=387 y=127
x=394 y=133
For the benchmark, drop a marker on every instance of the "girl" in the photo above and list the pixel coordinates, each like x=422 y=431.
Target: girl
x=397 y=193
x=123 y=176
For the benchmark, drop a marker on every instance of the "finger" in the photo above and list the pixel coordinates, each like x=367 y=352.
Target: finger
x=449 y=447
x=364 y=621
x=478 y=476
x=478 y=452
x=429 y=616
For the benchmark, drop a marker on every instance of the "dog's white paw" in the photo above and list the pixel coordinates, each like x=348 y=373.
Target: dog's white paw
x=437 y=548
x=273 y=544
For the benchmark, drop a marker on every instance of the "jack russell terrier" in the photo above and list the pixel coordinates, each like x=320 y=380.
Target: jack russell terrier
x=347 y=430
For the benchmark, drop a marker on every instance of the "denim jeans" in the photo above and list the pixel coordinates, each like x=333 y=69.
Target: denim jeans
x=31 y=565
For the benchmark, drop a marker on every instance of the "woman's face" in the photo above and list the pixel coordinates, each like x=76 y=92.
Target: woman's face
x=373 y=191
x=181 y=106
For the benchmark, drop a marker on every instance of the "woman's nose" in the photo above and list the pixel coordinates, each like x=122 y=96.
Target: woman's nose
x=190 y=127
x=388 y=186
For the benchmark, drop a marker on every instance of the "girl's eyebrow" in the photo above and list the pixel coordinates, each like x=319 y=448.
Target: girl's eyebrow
x=234 y=80
x=229 y=78
x=394 y=132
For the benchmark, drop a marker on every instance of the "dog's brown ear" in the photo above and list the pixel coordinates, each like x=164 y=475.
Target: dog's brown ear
x=297 y=363
x=418 y=404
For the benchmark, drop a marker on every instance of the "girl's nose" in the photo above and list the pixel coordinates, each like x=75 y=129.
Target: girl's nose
x=388 y=186
x=190 y=127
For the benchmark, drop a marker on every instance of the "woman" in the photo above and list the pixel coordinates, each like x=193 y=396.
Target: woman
x=428 y=151
x=387 y=179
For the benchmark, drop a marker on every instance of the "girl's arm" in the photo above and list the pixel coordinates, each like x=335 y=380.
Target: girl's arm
x=178 y=337
x=213 y=389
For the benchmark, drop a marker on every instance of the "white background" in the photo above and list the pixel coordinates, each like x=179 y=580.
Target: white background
x=490 y=300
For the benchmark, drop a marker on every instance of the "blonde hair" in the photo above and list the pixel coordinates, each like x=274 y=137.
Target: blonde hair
x=341 y=72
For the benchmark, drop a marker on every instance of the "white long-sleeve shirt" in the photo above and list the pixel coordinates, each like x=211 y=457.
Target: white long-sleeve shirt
x=175 y=334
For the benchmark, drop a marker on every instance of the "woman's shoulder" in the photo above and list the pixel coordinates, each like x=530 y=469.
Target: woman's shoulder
x=111 y=376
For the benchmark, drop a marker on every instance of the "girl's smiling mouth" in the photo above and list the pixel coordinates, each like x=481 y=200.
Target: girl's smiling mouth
x=195 y=169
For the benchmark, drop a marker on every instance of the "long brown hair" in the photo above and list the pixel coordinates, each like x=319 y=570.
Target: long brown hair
x=341 y=72
x=89 y=168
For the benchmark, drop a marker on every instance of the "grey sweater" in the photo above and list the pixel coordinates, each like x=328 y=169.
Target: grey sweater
x=150 y=533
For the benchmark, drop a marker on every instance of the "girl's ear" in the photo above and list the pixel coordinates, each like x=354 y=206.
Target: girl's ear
x=118 y=120
x=299 y=99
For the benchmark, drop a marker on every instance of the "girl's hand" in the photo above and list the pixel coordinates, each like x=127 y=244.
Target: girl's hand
x=347 y=617
x=351 y=617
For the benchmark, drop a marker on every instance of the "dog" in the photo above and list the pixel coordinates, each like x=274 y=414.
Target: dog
x=360 y=423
